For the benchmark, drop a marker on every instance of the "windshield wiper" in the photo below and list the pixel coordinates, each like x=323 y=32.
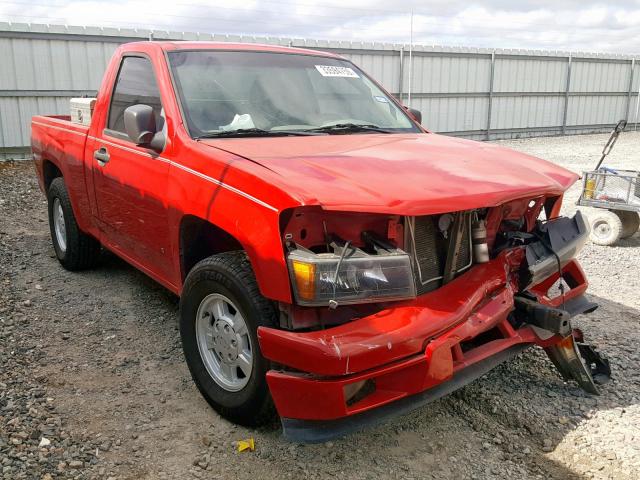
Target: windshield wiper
x=349 y=127
x=254 y=132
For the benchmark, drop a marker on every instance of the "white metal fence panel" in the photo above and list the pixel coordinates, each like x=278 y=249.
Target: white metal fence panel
x=448 y=73
x=476 y=93
x=596 y=109
x=15 y=113
x=453 y=114
x=588 y=75
x=526 y=112
x=36 y=64
x=530 y=74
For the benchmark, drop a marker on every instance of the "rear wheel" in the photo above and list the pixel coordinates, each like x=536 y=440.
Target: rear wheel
x=221 y=309
x=630 y=222
x=75 y=249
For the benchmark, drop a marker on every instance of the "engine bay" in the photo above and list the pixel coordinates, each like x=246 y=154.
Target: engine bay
x=345 y=265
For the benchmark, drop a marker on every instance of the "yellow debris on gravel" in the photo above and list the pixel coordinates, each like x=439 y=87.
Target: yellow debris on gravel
x=248 y=444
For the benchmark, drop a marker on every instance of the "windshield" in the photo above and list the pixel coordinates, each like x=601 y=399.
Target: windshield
x=222 y=92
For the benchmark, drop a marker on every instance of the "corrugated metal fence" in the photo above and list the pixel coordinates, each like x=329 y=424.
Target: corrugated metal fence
x=476 y=93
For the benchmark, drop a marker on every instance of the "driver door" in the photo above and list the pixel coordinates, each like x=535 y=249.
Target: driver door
x=131 y=181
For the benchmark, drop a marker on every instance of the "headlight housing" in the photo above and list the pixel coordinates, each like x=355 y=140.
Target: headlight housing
x=353 y=276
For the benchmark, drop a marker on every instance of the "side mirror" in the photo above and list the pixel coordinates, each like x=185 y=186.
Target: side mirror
x=140 y=124
x=416 y=114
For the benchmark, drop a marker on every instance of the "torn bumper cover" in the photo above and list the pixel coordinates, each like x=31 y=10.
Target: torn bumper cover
x=340 y=379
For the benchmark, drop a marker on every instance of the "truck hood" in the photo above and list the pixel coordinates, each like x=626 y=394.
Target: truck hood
x=405 y=174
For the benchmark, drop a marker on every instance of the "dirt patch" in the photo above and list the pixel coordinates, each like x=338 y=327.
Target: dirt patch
x=92 y=363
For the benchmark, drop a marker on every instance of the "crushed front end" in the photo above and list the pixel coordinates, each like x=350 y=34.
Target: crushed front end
x=392 y=312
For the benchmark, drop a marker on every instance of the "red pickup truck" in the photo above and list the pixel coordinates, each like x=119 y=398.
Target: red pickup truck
x=333 y=258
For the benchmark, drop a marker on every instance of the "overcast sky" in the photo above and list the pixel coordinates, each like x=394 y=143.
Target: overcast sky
x=611 y=26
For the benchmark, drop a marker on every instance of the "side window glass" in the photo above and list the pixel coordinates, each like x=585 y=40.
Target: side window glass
x=136 y=84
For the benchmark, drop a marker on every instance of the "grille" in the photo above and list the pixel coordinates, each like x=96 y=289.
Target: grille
x=429 y=251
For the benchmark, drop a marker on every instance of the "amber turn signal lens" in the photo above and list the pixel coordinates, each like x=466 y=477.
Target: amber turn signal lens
x=304 y=274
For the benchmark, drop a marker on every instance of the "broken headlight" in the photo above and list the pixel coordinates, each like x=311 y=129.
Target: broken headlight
x=349 y=275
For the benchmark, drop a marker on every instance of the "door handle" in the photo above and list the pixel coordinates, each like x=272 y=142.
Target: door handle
x=102 y=156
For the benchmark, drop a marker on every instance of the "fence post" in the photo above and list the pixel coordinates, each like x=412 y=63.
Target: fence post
x=566 y=96
x=635 y=127
x=491 y=76
x=401 y=74
x=630 y=92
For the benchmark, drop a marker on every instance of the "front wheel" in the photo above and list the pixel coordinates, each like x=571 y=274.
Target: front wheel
x=221 y=309
x=606 y=228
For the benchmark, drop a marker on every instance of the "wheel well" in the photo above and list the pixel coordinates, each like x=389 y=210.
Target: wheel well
x=49 y=172
x=200 y=239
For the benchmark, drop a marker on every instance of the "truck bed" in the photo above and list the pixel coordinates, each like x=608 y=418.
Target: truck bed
x=57 y=122
x=58 y=143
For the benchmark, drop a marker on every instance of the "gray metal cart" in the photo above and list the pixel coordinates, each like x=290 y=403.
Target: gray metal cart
x=616 y=195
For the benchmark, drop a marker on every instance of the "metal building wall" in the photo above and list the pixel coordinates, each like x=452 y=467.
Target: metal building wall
x=475 y=93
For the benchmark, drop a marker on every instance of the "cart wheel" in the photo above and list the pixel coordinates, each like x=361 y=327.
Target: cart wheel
x=606 y=228
x=630 y=222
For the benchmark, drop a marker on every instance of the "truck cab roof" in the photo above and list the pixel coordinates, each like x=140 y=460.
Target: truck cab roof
x=204 y=45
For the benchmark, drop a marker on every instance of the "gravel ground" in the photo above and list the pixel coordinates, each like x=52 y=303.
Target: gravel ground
x=93 y=384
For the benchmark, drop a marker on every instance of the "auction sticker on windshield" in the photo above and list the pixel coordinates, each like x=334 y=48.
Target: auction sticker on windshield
x=332 y=71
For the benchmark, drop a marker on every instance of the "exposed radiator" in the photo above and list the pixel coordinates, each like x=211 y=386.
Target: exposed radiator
x=429 y=246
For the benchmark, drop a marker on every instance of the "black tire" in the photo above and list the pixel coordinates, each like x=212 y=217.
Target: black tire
x=606 y=228
x=82 y=251
x=630 y=222
x=229 y=274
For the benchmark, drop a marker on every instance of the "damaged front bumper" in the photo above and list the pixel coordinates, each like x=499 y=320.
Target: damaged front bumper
x=340 y=379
